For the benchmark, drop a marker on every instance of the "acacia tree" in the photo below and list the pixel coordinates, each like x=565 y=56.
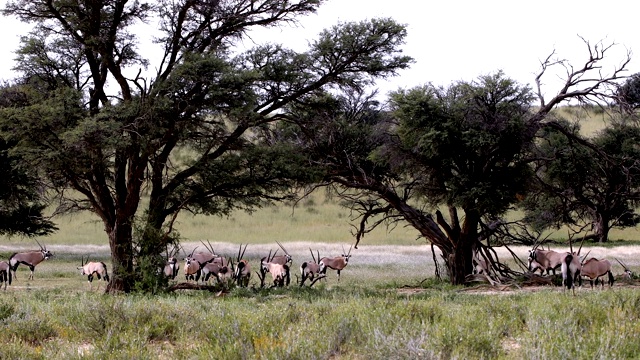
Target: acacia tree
x=578 y=184
x=629 y=93
x=464 y=147
x=196 y=134
x=21 y=205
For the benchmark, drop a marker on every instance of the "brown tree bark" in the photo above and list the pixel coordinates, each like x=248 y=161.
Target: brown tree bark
x=120 y=242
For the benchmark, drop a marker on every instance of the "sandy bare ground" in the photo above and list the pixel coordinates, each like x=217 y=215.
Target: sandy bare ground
x=406 y=261
x=409 y=255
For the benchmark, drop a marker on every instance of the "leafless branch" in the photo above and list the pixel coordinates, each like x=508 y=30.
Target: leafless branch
x=586 y=84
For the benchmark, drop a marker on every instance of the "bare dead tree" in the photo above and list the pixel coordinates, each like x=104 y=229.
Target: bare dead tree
x=589 y=84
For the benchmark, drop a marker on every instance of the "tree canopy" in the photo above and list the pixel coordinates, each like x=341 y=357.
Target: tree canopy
x=21 y=203
x=459 y=147
x=197 y=134
x=578 y=184
x=465 y=148
x=629 y=93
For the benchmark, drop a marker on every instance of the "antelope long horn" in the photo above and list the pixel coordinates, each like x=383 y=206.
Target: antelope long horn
x=41 y=248
x=585 y=257
x=350 y=247
x=243 y=251
x=274 y=255
x=211 y=247
x=194 y=250
x=621 y=264
x=205 y=246
x=313 y=256
x=581 y=243
x=282 y=247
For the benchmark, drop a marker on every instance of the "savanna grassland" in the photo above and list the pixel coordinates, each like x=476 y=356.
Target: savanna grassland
x=387 y=304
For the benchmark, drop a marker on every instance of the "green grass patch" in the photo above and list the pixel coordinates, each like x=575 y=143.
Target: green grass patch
x=327 y=322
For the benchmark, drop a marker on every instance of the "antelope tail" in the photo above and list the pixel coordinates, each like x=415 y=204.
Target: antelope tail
x=106 y=273
x=611 y=279
x=10 y=276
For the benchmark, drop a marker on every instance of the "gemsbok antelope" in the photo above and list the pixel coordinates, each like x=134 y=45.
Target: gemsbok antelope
x=208 y=257
x=192 y=270
x=29 y=258
x=215 y=269
x=628 y=274
x=171 y=268
x=545 y=260
x=91 y=268
x=5 y=273
x=194 y=263
x=310 y=269
x=594 y=269
x=242 y=273
x=279 y=272
x=281 y=259
x=570 y=269
x=336 y=263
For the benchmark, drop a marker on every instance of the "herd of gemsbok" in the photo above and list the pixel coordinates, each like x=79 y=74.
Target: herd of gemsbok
x=207 y=265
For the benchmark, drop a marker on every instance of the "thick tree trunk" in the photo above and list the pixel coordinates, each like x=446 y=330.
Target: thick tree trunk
x=121 y=244
x=602 y=229
x=455 y=243
x=460 y=256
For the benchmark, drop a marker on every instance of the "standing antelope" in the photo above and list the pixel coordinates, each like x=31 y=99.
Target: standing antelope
x=310 y=269
x=90 y=268
x=594 y=269
x=545 y=260
x=204 y=258
x=192 y=269
x=29 y=258
x=194 y=263
x=215 y=269
x=570 y=270
x=281 y=259
x=279 y=272
x=337 y=263
x=171 y=268
x=5 y=273
x=242 y=273
x=208 y=257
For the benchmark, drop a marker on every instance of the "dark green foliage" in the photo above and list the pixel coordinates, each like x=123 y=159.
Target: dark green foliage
x=466 y=144
x=21 y=206
x=198 y=134
x=581 y=183
x=629 y=92
x=462 y=147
